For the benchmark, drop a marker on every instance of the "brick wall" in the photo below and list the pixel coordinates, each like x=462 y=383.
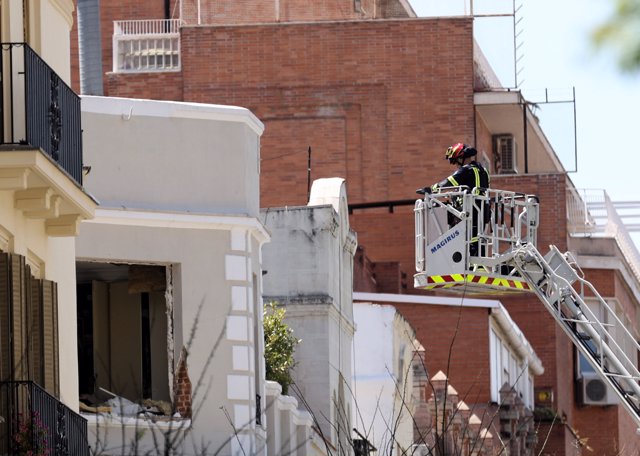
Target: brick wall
x=363 y=275
x=463 y=331
x=589 y=419
x=237 y=12
x=163 y=86
x=261 y=11
x=182 y=400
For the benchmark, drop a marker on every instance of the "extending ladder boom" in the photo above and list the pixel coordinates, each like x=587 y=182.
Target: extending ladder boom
x=487 y=243
x=602 y=339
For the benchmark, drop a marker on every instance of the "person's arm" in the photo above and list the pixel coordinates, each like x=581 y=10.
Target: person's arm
x=455 y=180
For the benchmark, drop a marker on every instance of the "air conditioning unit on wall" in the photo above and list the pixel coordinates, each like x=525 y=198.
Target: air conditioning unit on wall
x=594 y=391
x=504 y=154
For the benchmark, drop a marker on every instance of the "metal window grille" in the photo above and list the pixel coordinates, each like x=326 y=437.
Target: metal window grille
x=146 y=45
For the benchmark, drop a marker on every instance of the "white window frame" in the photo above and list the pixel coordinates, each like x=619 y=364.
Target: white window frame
x=507 y=367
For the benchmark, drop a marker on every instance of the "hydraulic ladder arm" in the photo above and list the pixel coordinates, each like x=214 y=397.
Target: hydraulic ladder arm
x=503 y=226
x=602 y=339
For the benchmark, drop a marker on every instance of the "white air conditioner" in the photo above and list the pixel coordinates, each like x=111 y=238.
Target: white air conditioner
x=504 y=153
x=594 y=391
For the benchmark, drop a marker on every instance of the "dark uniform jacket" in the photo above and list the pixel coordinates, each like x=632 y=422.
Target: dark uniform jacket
x=476 y=178
x=473 y=175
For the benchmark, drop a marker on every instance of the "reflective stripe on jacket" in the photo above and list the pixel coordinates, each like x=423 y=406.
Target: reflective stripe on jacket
x=472 y=175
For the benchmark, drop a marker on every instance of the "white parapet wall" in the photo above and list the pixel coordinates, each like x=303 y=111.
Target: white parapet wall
x=290 y=430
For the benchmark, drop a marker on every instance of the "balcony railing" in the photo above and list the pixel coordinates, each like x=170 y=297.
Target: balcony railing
x=591 y=213
x=32 y=419
x=39 y=109
x=146 y=45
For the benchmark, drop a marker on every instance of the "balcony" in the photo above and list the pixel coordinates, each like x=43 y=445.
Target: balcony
x=146 y=45
x=39 y=109
x=33 y=420
x=592 y=215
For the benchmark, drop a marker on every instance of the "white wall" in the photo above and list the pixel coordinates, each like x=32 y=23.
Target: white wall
x=172 y=156
x=178 y=185
x=309 y=265
x=383 y=378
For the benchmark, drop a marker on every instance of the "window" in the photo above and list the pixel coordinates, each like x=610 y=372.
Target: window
x=610 y=315
x=504 y=154
x=507 y=367
x=28 y=325
x=122 y=331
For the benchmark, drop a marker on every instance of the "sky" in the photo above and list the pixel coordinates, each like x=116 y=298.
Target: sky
x=558 y=55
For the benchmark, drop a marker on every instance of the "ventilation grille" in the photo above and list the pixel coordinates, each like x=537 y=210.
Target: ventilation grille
x=504 y=153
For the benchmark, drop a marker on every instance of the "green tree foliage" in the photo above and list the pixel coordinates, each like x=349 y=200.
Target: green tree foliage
x=622 y=33
x=279 y=346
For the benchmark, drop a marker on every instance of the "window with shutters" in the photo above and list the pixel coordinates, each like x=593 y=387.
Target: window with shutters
x=28 y=325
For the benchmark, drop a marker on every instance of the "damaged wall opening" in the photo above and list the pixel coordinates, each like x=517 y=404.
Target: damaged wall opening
x=123 y=333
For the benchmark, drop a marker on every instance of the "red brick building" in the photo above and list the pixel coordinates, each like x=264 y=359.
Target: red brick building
x=377 y=95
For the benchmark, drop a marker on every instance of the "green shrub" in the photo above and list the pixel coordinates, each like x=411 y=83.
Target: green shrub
x=279 y=346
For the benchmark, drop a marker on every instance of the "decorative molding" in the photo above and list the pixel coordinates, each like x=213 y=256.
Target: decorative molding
x=44 y=173
x=65 y=8
x=157 y=219
x=33 y=199
x=6 y=240
x=53 y=211
x=170 y=109
x=35 y=263
x=65 y=225
x=14 y=178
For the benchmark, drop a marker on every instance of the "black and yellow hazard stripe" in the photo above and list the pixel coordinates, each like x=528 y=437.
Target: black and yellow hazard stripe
x=454 y=280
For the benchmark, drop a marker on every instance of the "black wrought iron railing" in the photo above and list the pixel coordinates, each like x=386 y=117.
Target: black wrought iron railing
x=39 y=109
x=33 y=420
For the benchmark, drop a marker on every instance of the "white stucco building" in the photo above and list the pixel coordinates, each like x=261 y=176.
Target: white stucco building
x=170 y=272
x=384 y=346
x=309 y=269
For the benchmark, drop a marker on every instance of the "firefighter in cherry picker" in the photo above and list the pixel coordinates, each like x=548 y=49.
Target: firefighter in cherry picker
x=469 y=173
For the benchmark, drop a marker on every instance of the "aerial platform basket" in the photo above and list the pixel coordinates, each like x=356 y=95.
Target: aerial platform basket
x=462 y=239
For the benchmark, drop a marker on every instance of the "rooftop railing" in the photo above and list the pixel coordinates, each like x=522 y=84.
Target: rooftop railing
x=146 y=45
x=147 y=27
x=591 y=213
x=39 y=109
x=35 y=421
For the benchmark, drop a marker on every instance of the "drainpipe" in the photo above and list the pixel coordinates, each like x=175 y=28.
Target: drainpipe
x=525 y=134
x=90 y=47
